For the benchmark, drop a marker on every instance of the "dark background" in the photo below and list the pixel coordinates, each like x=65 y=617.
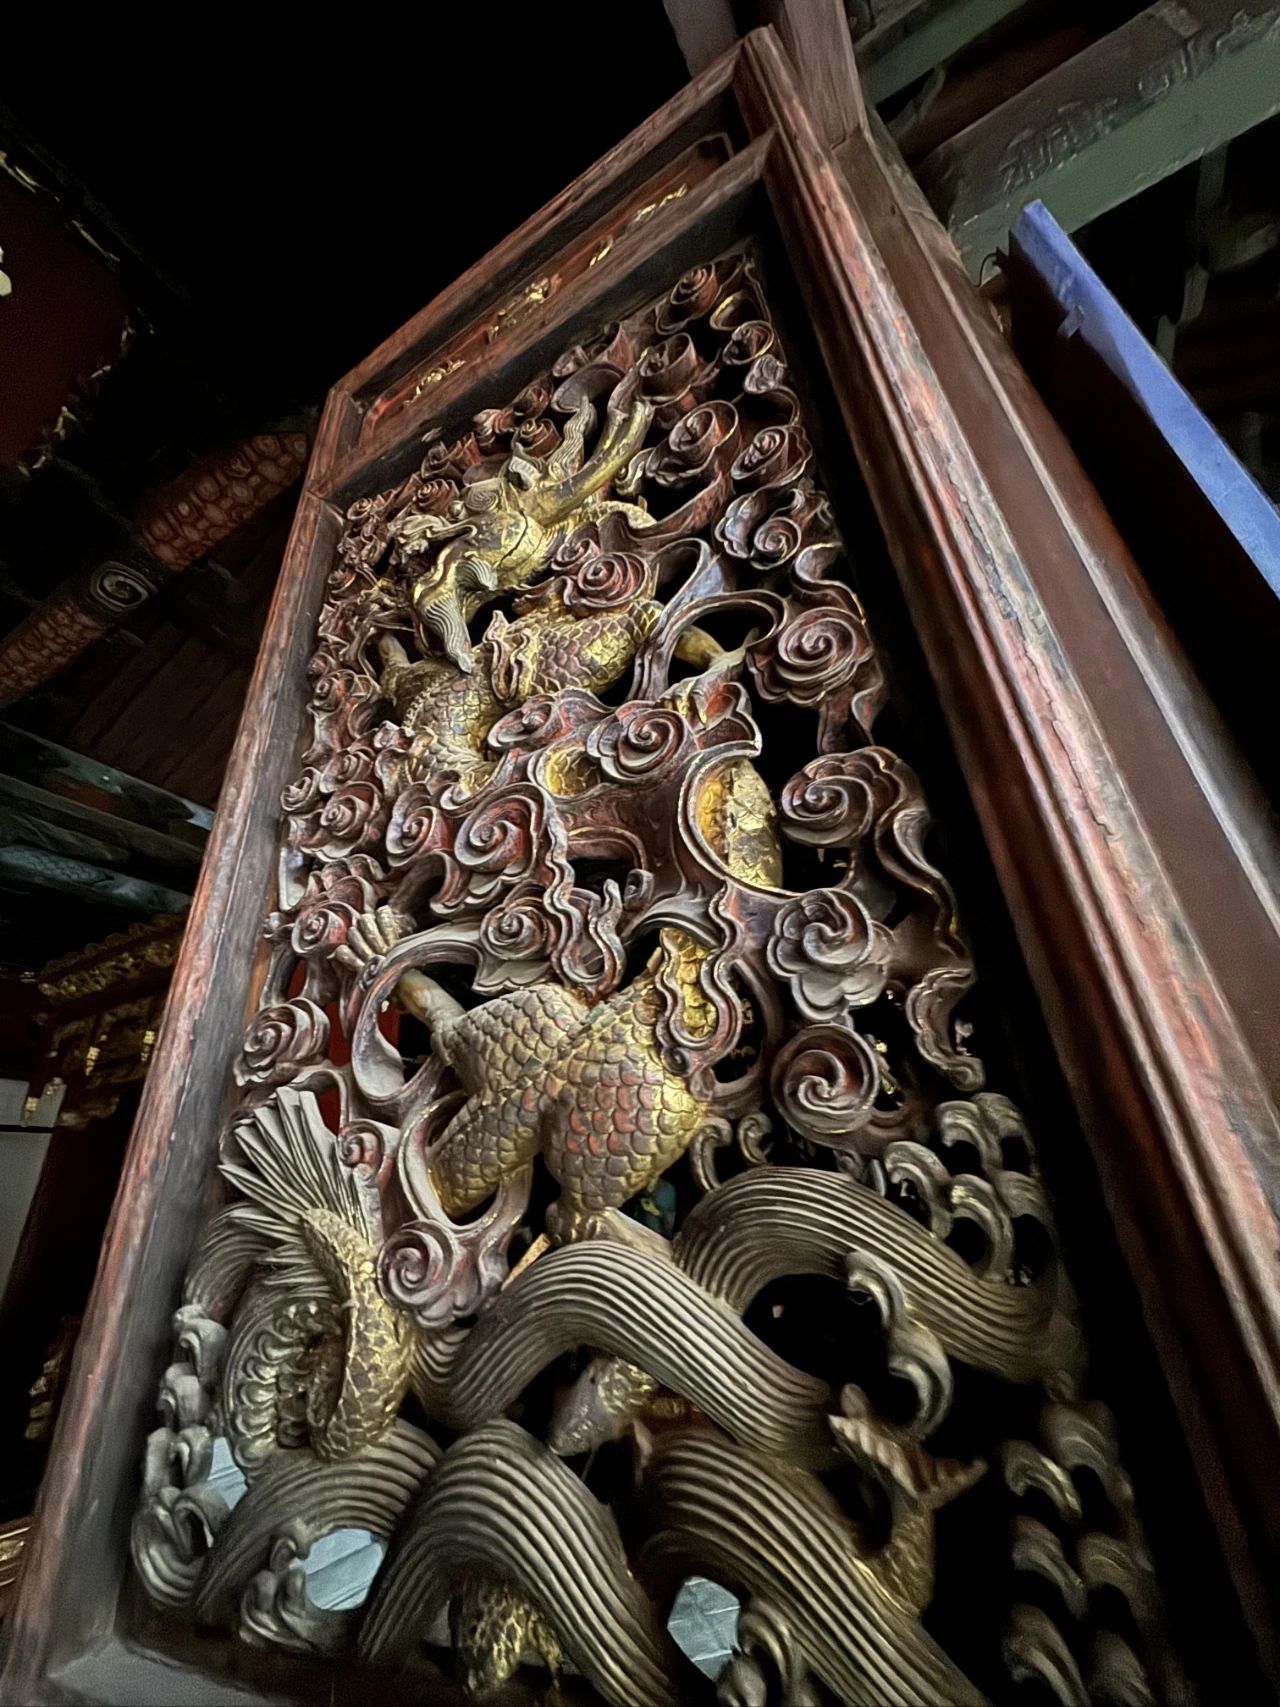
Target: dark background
x=288 y=200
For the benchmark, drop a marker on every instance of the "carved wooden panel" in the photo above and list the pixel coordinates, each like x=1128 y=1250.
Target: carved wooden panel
x=594 y=797
x=606 y=1172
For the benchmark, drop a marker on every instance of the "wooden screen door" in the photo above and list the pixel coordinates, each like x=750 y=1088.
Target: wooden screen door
x=611 y=1172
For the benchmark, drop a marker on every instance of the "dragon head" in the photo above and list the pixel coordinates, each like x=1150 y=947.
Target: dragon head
x=480 y=532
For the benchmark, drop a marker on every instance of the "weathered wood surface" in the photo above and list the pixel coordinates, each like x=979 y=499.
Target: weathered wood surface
x=815 y=38
x=1163 y=89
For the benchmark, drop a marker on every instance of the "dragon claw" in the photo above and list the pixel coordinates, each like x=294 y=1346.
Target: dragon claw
x=372 y=936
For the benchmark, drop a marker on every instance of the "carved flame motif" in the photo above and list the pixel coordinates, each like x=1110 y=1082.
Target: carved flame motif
x=595 y=810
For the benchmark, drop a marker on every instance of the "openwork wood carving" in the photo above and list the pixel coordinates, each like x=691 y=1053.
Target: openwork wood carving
x=614 y=1195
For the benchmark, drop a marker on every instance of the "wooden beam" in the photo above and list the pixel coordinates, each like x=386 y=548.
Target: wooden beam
x=57 y=770
x=815 y=36
x=1169 y=86
x=43 y=869
x=175 y=526
x=909 y=42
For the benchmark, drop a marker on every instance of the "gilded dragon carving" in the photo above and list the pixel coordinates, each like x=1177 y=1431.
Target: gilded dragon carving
x=504 y=528
x=613 y=1196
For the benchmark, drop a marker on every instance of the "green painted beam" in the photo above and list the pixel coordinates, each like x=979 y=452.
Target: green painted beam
x=911 y=41
x=1171 y=85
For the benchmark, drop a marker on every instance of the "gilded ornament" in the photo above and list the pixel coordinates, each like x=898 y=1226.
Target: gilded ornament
x=644 y=214
x=521 y=306
x=434 y=375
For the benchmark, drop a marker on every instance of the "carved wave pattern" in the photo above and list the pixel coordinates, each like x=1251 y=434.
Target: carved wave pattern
x=614 y=1195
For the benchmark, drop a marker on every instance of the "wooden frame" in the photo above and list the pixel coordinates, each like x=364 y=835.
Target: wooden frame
x=1128 y=848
